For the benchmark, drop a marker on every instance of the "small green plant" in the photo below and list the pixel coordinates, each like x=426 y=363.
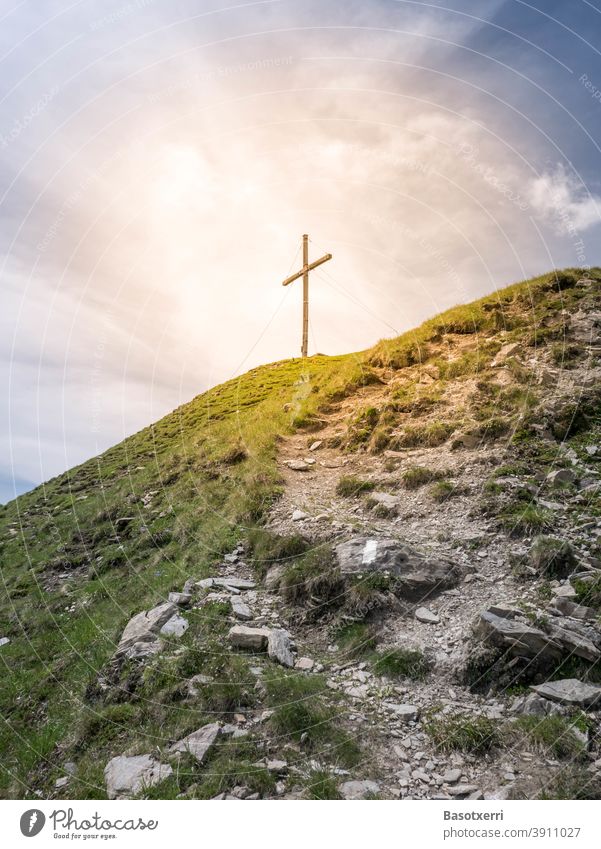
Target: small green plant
x=475 y=734
x=551 y=557
x=322 y=785
x=417 y=476
x=356 y=640
x=300 y=710
x=402 y=663
x=521 y=518
x=572 y=782
x=553 y=734
x=442 y=490
x=350 y=486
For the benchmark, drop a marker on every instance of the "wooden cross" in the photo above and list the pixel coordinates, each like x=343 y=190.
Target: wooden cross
x=304 y=273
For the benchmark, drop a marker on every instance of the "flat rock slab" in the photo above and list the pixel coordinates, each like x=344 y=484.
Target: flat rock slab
x=236 y=583
x=417 y=575
x=278 y=647
x=144 y=626
x=127 y=776
x=244 y=637
x=570 y=691
x=240 y=609
x=297 y=465
x=199 y=743
x=406 y=713
x=175 y=627
x=359 y=789
x=521 y=638
x=181 y=599
x=422 y=614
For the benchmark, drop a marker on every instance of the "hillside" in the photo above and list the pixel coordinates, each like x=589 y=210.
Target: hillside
x=410 y=533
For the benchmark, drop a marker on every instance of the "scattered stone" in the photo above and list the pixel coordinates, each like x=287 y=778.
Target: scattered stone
x=533 y=705
x=570 y=691
x=144 y=627
x=243 y=637
x=181 y=599
x=278 y=647
x=561 y=476
x=417 y=575
x=552 y=557
x=510 y=350
x=451 y=776
x=297 y=465
x=463 y=790
x=422 y=614
x=565 y=607
x=61 y=782
x=315 y=445
x=4 y=641
x=175 y=627
x=359 y=789
x=299 y=515
x=406 y=713
x=199 y=743
x=240 y=609
x=274 y=576
x=235 y=583
x=205 y=584
x=305 y=664
x=196 y=682
x=520 y=637
x=384 y=504
x=127 y=776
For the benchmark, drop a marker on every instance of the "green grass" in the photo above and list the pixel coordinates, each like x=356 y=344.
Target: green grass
x=554 y=735
x=322 y=785
x=417 y=476
x=192 y=485
x=402 y=663
x=473 y=734
x=350 y=486
x=301 y=711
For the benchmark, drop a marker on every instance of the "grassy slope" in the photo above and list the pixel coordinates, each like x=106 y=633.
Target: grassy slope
x=211 y=468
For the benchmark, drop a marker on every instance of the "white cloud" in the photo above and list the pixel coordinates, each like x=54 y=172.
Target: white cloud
x=562 y=200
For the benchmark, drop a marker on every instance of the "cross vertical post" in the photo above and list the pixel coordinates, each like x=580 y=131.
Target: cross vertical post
x=305 y=344
x=304 y=273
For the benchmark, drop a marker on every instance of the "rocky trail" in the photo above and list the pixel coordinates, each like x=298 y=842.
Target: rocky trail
x=418 y=615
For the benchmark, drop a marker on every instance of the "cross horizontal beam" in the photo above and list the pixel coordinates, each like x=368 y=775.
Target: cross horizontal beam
x=306 y=268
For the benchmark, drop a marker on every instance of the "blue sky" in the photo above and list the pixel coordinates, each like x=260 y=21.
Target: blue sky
x=160 y=160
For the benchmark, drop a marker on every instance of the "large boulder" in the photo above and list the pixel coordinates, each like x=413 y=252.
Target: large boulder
x=127 y=776
x=519 y=636
x=570 y=691
x=199 y=743
x=278 y=647
x=143 y=628
x=417 y=575
x=552 y=557
x=253 y=639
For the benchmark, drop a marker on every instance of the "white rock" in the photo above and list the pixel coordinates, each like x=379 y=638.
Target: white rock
x=144 y=626
x=127 y=776
x=451 y=776
x=175 y=627
x=278 y=647
x=200 y=742
x=243 y=637
x=240 y=609
x=304 y=663
x=4 y=641
x=299 y=515
x=359 y=789
x=570 y=691
x=315 y=445
x=422 y=614
x=407 y=713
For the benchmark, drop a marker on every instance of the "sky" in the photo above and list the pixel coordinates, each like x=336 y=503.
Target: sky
x=161 y=159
